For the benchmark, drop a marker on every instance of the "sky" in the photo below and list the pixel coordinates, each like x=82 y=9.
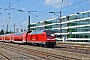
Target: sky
x=39 y=11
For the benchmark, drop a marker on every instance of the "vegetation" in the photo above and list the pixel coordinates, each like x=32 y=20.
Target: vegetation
x=70 y=30
x=32 y=29
x=32 y=25
x=47 y=27
x=71 y=24
x=1 y=32
x=70 y=36
x=47 y=22
x=7 y=32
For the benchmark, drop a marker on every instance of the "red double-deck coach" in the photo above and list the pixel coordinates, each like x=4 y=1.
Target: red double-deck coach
x=8 y=37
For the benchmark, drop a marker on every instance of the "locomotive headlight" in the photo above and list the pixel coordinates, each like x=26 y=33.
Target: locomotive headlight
x=43 y=43
x=52 y=34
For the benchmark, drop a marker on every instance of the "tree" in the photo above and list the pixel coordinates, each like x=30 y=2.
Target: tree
x=2 y=32
x=8 y=32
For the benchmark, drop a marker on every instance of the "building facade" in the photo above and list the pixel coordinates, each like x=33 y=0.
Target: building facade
x=72 y=28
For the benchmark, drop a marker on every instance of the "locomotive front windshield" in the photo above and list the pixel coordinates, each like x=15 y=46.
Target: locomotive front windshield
x=49 y=33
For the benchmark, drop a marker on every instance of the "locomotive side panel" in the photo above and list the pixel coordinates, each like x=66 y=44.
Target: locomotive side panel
x=32 y=38
x=36 y=38
x=41 y=38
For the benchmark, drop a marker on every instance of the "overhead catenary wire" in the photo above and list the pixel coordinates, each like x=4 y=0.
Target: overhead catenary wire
x=15 y=6
x=45 y=13
x=30 y=7
x=57 y=9
x=8 y=8
x=33 y=4
x=78 y=9
x=63 y=7
x=38 y=4
x=14 y=3
x=60 y=8
x=72 y=5
x=9 y=3
x=26 y=11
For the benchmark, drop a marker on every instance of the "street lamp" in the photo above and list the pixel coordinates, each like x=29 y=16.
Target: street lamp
x=14 y=28
x=59 y=19
x=4 y=29
x=20 y=10
x=21 y=28
x=10 y=9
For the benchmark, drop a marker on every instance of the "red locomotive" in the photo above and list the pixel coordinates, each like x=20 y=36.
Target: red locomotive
x=42 y=37
x=37 y=37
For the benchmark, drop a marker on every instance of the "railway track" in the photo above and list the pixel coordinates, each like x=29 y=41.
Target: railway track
x=24 y=54
x=40 y=54
x=5 y=57
x=73 y=49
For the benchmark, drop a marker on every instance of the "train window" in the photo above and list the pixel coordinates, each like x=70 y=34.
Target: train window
x=48 y=34
x=7 y=34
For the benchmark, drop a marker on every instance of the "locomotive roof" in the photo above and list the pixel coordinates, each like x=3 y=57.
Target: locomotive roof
x=36 y=31
x=39 y=31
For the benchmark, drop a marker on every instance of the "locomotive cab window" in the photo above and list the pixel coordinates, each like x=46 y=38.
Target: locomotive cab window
x=49 y=34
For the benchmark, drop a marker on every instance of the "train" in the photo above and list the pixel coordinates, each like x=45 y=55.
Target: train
x=37 y=37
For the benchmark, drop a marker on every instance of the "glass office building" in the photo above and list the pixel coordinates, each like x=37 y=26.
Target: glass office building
x=72 y=28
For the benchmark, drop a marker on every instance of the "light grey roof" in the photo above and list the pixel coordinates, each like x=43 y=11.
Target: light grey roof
x=37 y=31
